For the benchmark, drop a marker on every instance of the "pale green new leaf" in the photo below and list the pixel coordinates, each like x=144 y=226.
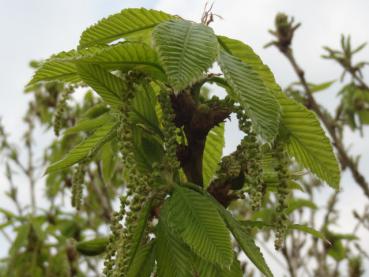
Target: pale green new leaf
x=88 y=124
x=308 y=143
x=245 y=241
x=198 y=223
x=87 y=147
x=127 y=56
x=298 y=203
x=108 y=86
x=92 y=247
x=186 y=50
x=61 y=67
x=250 y=91
x=307 y=229
x=212 y=153
x=126 y=23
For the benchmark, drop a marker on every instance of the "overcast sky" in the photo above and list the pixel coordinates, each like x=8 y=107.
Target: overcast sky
x=35 y=29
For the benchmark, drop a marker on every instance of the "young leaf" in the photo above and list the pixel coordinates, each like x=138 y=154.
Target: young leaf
x=186 y=49
x=206 y=269
x=61 y=67
x=249 y=90
x=86 y=147
x=143 y=263
x=213 y=152
x=92 y=247
x=126 y=23
x=298 y=203
x=245 y=241
x=108 y=86
x=88 y=124
x=138 y=232
x=128 y=56
x=307 y=141
x=307 y=229
x=173 y=256
x=198 y=223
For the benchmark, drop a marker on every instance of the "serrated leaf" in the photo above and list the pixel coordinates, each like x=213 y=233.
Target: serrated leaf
x=245 y=241
x=127 y=56
x=307 y=141
x=61 y=67
x=295 y=116
x=249 y=90
x=186 y=49
x=86 y=147
x=86 y=125
x=144 y=261
x=108 y=86
x=206 y=269
x=198 y=223
x=213 y=152
x=173 y=256
x=139 y=232
x=126 y=23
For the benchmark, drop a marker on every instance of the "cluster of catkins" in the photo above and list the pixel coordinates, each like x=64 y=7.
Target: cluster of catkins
x=139 y=185
x=249 y=154
x=138 y=192
x=281 y=220
x=60 y=109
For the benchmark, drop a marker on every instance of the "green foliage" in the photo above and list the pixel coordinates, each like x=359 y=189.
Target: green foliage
x=127 y=23
x=86 y=148
x=213 y=152
x=92 y=247
x=151 y=138
x=198 y=223
x=249 y=90
x=186 y=50
x=308 y=143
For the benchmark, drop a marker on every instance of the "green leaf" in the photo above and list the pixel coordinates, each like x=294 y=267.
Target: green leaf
x=108 y=86
x=307 y=141
x=198 y=223
x=21 y=238
x=86 y=125
x=249 y=90
x=206 y=269
x=213 y=152
x=126 y=23
x=186 y=49
x=89 y=146
x=92 y=247
x=319 y=87
x=139 y=232
x=245 y=241
x=307 y=229
x=298 y=203
x=61 y=67
x=127 y=56
x=144 y=261
x=173 y=256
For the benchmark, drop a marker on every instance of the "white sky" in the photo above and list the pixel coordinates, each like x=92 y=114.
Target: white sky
x=35 y=29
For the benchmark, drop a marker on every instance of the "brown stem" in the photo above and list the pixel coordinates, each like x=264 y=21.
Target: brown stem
x=197 y=120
